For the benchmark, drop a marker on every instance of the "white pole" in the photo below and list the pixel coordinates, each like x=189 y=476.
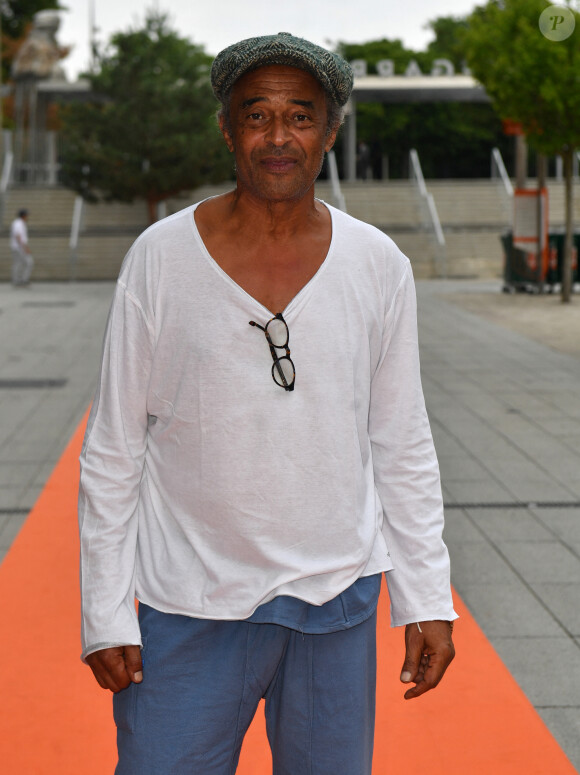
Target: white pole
x=92 y=36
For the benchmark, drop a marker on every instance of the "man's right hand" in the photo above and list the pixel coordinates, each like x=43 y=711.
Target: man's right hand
x=117 y=667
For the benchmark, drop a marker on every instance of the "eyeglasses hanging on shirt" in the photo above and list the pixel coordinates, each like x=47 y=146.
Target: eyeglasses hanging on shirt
x=278 y=336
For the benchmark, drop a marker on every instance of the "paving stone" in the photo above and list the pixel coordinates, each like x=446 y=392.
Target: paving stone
x=564 y=723
x=547 y=669
x=478 y=562
x=55 y=332
x=13 y=472
x=10 y=529
x=478 y=491
x=550 y=562
x=459 y=528
x=510 y=525
x=509 y=610
x=461 y=467
x=565 y=523
x=563 y=600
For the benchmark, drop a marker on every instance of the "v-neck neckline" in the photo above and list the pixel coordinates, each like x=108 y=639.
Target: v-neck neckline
x=299 y=299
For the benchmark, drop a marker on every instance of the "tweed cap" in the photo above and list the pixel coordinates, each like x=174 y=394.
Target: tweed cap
x=330 y=70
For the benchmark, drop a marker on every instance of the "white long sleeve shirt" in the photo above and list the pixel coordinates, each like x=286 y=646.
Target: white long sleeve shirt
x=208 y=490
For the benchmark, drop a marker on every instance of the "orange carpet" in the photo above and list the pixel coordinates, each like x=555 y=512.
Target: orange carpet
x=54 y=719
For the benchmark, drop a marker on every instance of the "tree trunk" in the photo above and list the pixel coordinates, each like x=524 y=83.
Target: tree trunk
x=521 y=161
x=541 y=162
x=568 y=156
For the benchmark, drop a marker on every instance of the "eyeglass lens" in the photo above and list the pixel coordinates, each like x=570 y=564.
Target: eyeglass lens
x=277 y=330
x=283 y=371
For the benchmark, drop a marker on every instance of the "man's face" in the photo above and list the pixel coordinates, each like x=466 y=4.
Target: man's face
x=278 y=132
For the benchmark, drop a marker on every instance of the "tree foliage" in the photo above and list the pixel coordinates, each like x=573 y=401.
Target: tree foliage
x=530 y=78
x=533 y=80
x=449 y=39
x=452 y=139
x=150 y=131
x=17 y=14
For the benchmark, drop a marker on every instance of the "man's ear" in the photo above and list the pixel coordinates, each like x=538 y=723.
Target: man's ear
x=226 y=135
x=330 y=140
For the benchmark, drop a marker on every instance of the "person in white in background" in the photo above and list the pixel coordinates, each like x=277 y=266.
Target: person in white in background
x=22 y=261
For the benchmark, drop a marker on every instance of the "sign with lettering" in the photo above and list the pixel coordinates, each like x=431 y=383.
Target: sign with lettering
x=386 y=68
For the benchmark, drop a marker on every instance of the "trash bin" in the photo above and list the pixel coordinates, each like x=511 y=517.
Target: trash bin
x=520 y=267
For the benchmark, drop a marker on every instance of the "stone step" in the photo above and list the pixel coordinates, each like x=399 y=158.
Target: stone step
x=47 y=207
x=473 y=215
x=115 y=215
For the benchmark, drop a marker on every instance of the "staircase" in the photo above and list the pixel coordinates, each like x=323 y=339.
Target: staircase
x=473 y=215
x=108 y=231
x=556 y=200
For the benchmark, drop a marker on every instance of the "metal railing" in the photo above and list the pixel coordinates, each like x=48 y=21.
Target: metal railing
x=75 y=229
x=7 y=168
x=429 y=215
x=337 y=195
x=499 y=173
x=5 y=180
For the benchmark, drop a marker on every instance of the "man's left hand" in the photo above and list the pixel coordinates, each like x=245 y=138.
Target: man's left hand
x=429 y=651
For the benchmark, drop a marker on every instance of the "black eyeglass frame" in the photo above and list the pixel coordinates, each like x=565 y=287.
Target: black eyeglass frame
x=276 y=366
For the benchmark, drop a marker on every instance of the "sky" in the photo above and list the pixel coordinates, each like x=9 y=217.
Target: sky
x=216 y=24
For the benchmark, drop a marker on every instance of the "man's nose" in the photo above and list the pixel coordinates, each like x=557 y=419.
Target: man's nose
x=278 y=131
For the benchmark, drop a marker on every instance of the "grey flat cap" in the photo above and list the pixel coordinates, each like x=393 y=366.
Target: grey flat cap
x=331 y=70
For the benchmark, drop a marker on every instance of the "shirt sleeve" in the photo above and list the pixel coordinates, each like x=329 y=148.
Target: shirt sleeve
x=112 y=462
x=407 y=471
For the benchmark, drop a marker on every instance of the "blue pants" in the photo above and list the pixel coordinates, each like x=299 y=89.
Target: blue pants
x=203 y=680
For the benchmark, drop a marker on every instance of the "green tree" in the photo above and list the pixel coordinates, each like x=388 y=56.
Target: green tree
x=150 y=131
x=449 y=39
x=533 y=80
x=375 y=50
x=453 y=139
x=17 y=14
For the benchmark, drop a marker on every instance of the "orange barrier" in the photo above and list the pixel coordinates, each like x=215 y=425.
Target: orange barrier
x=54 y=719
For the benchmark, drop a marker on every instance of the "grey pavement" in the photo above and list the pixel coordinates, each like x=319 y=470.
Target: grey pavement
x=505 y=413
x=501 y=377
x=49 y=354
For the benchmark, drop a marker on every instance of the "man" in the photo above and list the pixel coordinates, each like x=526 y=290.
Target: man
x=258 y=453
x=22 y=261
